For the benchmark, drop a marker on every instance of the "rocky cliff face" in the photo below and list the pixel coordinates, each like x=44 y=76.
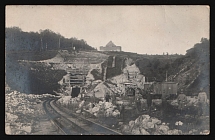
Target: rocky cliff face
x=193 y=69
x=43 y=75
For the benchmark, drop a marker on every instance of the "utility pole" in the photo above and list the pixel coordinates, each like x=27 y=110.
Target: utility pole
x=166 y=76
x=59 y=43
x=41 y=47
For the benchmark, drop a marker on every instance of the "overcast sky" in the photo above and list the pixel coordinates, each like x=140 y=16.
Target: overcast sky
x=141 y=29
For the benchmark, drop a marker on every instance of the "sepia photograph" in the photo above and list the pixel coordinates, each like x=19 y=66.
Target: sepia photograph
x=107 y=70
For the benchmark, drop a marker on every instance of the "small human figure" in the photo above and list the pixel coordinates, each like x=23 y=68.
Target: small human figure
x=182 y=99
x=149 y=100
x=93 y=105
x=164 y=104
x=107 y=97
x=142 y=95
x=137 y=103
x=113 y=97
x=122 y=109
x=202 y=101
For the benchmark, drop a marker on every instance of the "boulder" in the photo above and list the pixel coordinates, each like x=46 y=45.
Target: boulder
x=116 y=113
x=108 y=113
x=131 y=124
x=120 y=123
x=108 y=105
x=119 y=102
x=179 y=123
x=125 y=129
x=157 y=101
x=144 y=124
x=118 y=98
x=163 y=129
x=156 y=121
x=100 y=102
x=144 y=132
x=8 y=130
x=150 y=125
x=174 y=103
x=145 y=116
x=114 y=107
x=20 y=132
x=110 y=110
x=146 y=120
x=95 y=114
x=157 y=133
x=78 y=111
x=193 y=131
x=135 y=131
x=26 y=129
x=174 y=132
x=11 y=117
x=205 y=132
x=95 y=109
x=139 y=120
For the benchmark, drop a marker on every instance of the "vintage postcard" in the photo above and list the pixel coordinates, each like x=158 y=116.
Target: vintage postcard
x=107 y=70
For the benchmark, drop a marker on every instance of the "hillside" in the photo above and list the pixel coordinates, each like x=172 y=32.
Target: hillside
x=17 y=40
x=40 y=73
x=192 y=71
x=41 y=70
x=37 y=77
x=31 y=79
x=152 y=66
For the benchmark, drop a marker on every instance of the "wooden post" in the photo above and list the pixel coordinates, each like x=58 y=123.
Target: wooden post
x=166 y=76
x=59 y=43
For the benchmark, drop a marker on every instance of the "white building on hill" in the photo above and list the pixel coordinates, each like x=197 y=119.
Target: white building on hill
x=110 y=47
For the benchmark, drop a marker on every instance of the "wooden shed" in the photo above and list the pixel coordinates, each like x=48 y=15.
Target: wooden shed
x=165 y=88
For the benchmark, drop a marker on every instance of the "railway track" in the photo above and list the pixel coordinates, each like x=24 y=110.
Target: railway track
x=72 y=124
x=64 y=125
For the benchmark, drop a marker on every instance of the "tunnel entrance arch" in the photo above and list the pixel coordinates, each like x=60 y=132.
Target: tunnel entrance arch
x=75 y=91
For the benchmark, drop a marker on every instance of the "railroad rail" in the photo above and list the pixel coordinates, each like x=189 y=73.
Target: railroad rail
x=90 y=126
x=64 y=125
x=72 y=124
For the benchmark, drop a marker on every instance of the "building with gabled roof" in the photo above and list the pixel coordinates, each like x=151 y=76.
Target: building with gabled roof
x=110 y=47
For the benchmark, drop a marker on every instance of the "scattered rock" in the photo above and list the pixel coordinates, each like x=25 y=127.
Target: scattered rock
x=144 y=132
x=135 y=131
x=131 y=124
x=125 y=129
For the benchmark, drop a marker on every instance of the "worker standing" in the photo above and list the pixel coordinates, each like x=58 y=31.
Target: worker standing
x=122 y=109
x=142 y=93
x=149 y=100
x=164 y=104
x=202 y=100
x=137 y=103
x=107 y=97
x=113 y=96
x=83 y=94
x=182 y=99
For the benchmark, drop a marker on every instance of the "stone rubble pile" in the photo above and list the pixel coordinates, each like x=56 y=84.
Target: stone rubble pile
x=146 y=125
x=105 y=108
x=21 y=113
x=69 y=101
x=157 y=102
x=191 y=101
